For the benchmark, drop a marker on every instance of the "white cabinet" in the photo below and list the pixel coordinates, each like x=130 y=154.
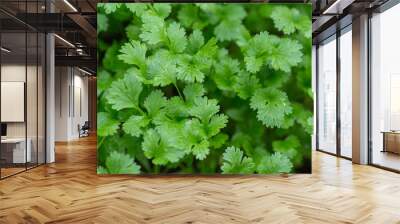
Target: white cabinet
x=18 y=145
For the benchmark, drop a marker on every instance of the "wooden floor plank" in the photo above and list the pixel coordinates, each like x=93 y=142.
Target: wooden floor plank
x=69 y=191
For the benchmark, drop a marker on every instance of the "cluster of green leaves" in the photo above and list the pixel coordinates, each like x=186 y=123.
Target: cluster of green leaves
x=204 y=88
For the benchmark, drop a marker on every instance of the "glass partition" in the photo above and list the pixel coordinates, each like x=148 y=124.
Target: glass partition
x=346 y=92
x=327 y=95
x=14 y=153
x=41 y=91
x=32 y=95
x=22 y=77
x=385 y=89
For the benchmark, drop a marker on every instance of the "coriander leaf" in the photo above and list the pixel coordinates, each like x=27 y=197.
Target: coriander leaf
x=228 y=31
x=162 y=9
x=124 y=93
x=137 y=8
x=132 y=32
x=204 y=108
x=275 y=163
x=218 y=140
x=285 y=55
x=189 y=69
x=196 y=139
x=118 y=163
x=229 y=27
x=171 y=134
x=135 y=124
x=106 y=124
x=284 y=19
x=232 y=12
x=289 y=146
x=303 y=25
x=303 y=116
x=177 y=38
x=152 y=29
x=235 y=163
x=271 y=105
x=193 y=91
x=208 y=50
x=274 y=78
x=253 y=64
x=142 y=77
x=102 y=23
x=195 y=41
x=288 y=20
x=243 y=140
x=259 y=44
x=225 y=72
x=155 y=148
x=101 y=170
x=133 y=53
x=217 y=122
x=187 y=15
x=104 y=80
x=246 y=84
x=201 y=150
x=162 y=69
x=155 y=102
x=109 y=60
x=256 y=51
x=176 y=108
x=110 y=7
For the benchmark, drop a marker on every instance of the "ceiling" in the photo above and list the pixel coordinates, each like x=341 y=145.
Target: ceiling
x=328 y=15
x=74 y=22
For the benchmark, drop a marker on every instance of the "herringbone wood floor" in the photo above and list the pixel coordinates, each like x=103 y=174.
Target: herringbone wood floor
x=69 y=191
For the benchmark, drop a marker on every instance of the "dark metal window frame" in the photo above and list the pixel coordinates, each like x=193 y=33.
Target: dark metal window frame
x=381 y=9
x=339 y=32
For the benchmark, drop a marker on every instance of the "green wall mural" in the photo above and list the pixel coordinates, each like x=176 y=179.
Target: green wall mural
x=204 y=88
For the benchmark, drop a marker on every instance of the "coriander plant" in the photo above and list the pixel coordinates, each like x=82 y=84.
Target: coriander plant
x=204 y=88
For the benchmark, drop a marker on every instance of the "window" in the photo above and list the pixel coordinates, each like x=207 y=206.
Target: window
x=22 y=77
x=327 y=95
x=385 y=89
x=346 y=92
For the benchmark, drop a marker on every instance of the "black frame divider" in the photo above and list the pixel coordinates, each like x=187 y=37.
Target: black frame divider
x=26 y=89
x=338 y=75
x=369 y=90
x=316 y=98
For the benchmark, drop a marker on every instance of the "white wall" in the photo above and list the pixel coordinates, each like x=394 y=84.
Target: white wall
x=62 y=81
x=71 y=94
